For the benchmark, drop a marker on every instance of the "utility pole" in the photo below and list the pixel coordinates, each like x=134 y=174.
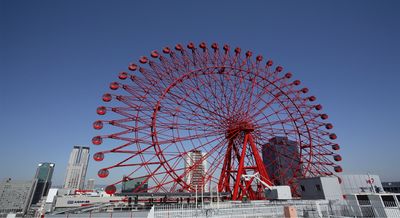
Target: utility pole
x=196 y=197
x=211 y=195
x=217 y=199
x=202 y=197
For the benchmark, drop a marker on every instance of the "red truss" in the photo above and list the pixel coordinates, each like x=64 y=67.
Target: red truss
x=201 y=118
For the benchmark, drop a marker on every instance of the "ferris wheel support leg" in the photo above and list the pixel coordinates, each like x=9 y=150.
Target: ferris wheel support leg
x=224 y=178
x=229 y=171
x=240 y=170
x=250 y=191
x=260 y=164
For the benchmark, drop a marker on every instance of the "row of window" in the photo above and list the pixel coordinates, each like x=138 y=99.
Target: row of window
x=388 y=200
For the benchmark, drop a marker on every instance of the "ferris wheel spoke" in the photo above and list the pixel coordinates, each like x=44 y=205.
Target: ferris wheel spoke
x=216 y=90
x=253 y=88
x=192 y=95
x=243 y=90
x=201 y=146
x=268 y=105
x=186 y=112
x=199 y=105
x=186 y=119
x=265 y=92
x=174 y=170
x=205 y=88
x=275 y=115
x=128 y=158
x=145 y=89
x=137 y=164
x=187 y=126
x=186 y=138
x=152 y=152
x=278 y=131
x=207 y=155
x=222 y=79
x=218 y=159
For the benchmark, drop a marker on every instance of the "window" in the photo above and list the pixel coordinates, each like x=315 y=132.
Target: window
x=388 y=201
x=363 y=200
x=302 y=188
x=318 y=187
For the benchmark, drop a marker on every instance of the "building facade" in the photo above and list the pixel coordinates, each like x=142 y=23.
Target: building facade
x=281 y=159
x=90 y=184
x=77 y=167
x=15 y=196
x=196 y=166
x=363 y=183
x=42 y=181
x=374 y=204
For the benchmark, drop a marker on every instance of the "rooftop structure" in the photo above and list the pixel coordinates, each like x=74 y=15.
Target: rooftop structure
x=325 y=187
x=51 y=200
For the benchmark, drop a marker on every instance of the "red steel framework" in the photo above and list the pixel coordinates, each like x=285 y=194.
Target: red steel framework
x=226 y=104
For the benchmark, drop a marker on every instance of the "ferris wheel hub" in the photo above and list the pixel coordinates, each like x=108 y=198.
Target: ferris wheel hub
x=239 y=127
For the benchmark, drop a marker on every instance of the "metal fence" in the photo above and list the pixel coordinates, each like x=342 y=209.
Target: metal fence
x=253 y=209
x=130 y=214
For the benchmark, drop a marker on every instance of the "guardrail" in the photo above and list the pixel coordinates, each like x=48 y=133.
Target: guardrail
x=254 y=209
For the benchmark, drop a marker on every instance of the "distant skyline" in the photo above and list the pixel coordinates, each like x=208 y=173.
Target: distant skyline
x=57 y=59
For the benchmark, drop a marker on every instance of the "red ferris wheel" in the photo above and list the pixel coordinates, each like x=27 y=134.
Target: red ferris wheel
x=199 y=117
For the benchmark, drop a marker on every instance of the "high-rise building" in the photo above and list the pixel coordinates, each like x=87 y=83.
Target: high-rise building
x=77 y=167
x=15 y=196
x=196 y=175
x=90 y=184
x=281 y=158
x=133 y=185
x=42 y=181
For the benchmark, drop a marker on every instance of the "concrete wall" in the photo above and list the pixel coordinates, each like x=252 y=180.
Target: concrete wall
x=327 y=188
x=331 y=188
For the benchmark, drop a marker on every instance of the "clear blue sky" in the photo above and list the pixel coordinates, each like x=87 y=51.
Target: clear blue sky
x=58 y=57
